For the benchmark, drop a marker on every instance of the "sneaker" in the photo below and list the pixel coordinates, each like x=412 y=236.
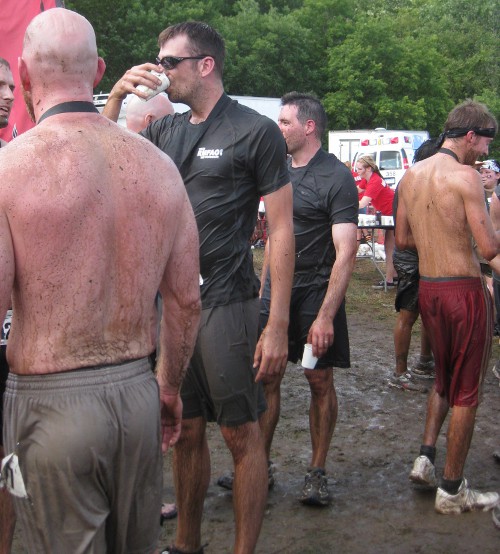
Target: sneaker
x=496 y=517
x=380 y=285
x=315 y=490
x=424 y=370
x=405 y=381
x=466 y=500
x=496 y=370
x=424 y=473
x=226 y=481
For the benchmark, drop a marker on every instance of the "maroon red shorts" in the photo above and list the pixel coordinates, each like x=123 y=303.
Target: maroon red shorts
x=458 y=316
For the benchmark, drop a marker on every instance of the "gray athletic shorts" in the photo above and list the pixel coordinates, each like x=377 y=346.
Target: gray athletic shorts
x=88 y=443
x=220 y=380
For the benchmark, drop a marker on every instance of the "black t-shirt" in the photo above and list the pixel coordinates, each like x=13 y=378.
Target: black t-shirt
x=227 y=163
x=324 y=194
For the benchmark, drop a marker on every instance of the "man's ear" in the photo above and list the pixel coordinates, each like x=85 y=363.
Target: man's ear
x=101 y=68
x=208 y=66
x=471 y=136
x=310 y=126
x=23 y=74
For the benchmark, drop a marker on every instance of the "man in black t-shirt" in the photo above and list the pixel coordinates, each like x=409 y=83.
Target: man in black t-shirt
x=229 y=156
x=325 y=216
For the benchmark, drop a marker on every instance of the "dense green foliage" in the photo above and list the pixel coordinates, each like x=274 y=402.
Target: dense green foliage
x=390 y=63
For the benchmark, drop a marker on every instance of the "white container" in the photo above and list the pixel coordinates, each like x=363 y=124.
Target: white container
x=308 y=360
x=165 y=83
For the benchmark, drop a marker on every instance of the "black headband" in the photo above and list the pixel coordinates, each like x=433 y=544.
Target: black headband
x=462 y=131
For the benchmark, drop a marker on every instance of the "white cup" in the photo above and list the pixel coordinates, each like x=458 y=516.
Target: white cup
x=151 y=92
x=308 y=360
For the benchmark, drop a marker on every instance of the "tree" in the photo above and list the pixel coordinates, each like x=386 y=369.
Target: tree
x=266 y=52
x=382 y=76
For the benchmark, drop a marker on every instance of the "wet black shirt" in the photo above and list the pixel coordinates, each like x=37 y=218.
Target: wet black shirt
x=227 y=163
x=324 y=194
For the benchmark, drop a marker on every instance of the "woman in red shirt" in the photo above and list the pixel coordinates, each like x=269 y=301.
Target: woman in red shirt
x=381 y=197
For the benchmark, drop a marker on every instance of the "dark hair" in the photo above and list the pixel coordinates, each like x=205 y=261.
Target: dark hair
x=426 y=150
x=4 y=62
x=308 y=107
x=470 y=114
x=203 y=39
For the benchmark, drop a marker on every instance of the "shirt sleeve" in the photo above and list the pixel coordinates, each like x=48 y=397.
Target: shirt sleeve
x=268 y=157
x=342 y=198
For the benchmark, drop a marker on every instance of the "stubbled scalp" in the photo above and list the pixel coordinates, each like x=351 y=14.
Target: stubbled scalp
x=60 y=45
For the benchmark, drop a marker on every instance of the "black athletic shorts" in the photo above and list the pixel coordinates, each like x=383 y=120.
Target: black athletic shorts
x=4 y=373
x=407 y=291
x=305 y=304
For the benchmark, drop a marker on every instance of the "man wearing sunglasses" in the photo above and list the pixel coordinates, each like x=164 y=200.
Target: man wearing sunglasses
x=441 y=208
x=229 y=156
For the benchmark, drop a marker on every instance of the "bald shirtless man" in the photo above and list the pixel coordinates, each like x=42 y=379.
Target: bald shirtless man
x=141 y=113
x=94 y=220
x=441 y=208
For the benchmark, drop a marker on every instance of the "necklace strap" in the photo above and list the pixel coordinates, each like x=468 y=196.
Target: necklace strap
x=67 y=107
x=449 y=152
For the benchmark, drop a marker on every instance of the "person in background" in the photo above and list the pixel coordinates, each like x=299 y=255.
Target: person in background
x=325 y=208
x=140 y=114
x=7 y=515
x=490 y=176
x=381 y=197
x=489 y=181
x=490 y=170
x=406 y=303
x=455 y=305
x=229 y=156
x=362 y=234
x=94 y=220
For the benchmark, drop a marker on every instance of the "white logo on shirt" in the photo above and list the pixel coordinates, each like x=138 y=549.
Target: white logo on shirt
x=210 y=153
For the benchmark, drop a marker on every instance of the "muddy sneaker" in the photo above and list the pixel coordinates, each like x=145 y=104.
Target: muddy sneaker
x=496 y=517
x=315 y=490
x=496 y=370
x=424 y=473
x=405 y=382
x=226 y=481
x=424 y=370
x=466 y=500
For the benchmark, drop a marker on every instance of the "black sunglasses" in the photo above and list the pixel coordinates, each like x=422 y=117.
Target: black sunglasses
x=169 y=62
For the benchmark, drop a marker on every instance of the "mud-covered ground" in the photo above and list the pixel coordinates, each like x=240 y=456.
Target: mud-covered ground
x=375 y=509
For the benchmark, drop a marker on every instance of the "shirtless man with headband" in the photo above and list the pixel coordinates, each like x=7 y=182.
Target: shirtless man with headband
x=94 y=220
x=441 y=207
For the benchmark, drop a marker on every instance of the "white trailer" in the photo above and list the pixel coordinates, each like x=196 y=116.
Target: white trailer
x=345 y=144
